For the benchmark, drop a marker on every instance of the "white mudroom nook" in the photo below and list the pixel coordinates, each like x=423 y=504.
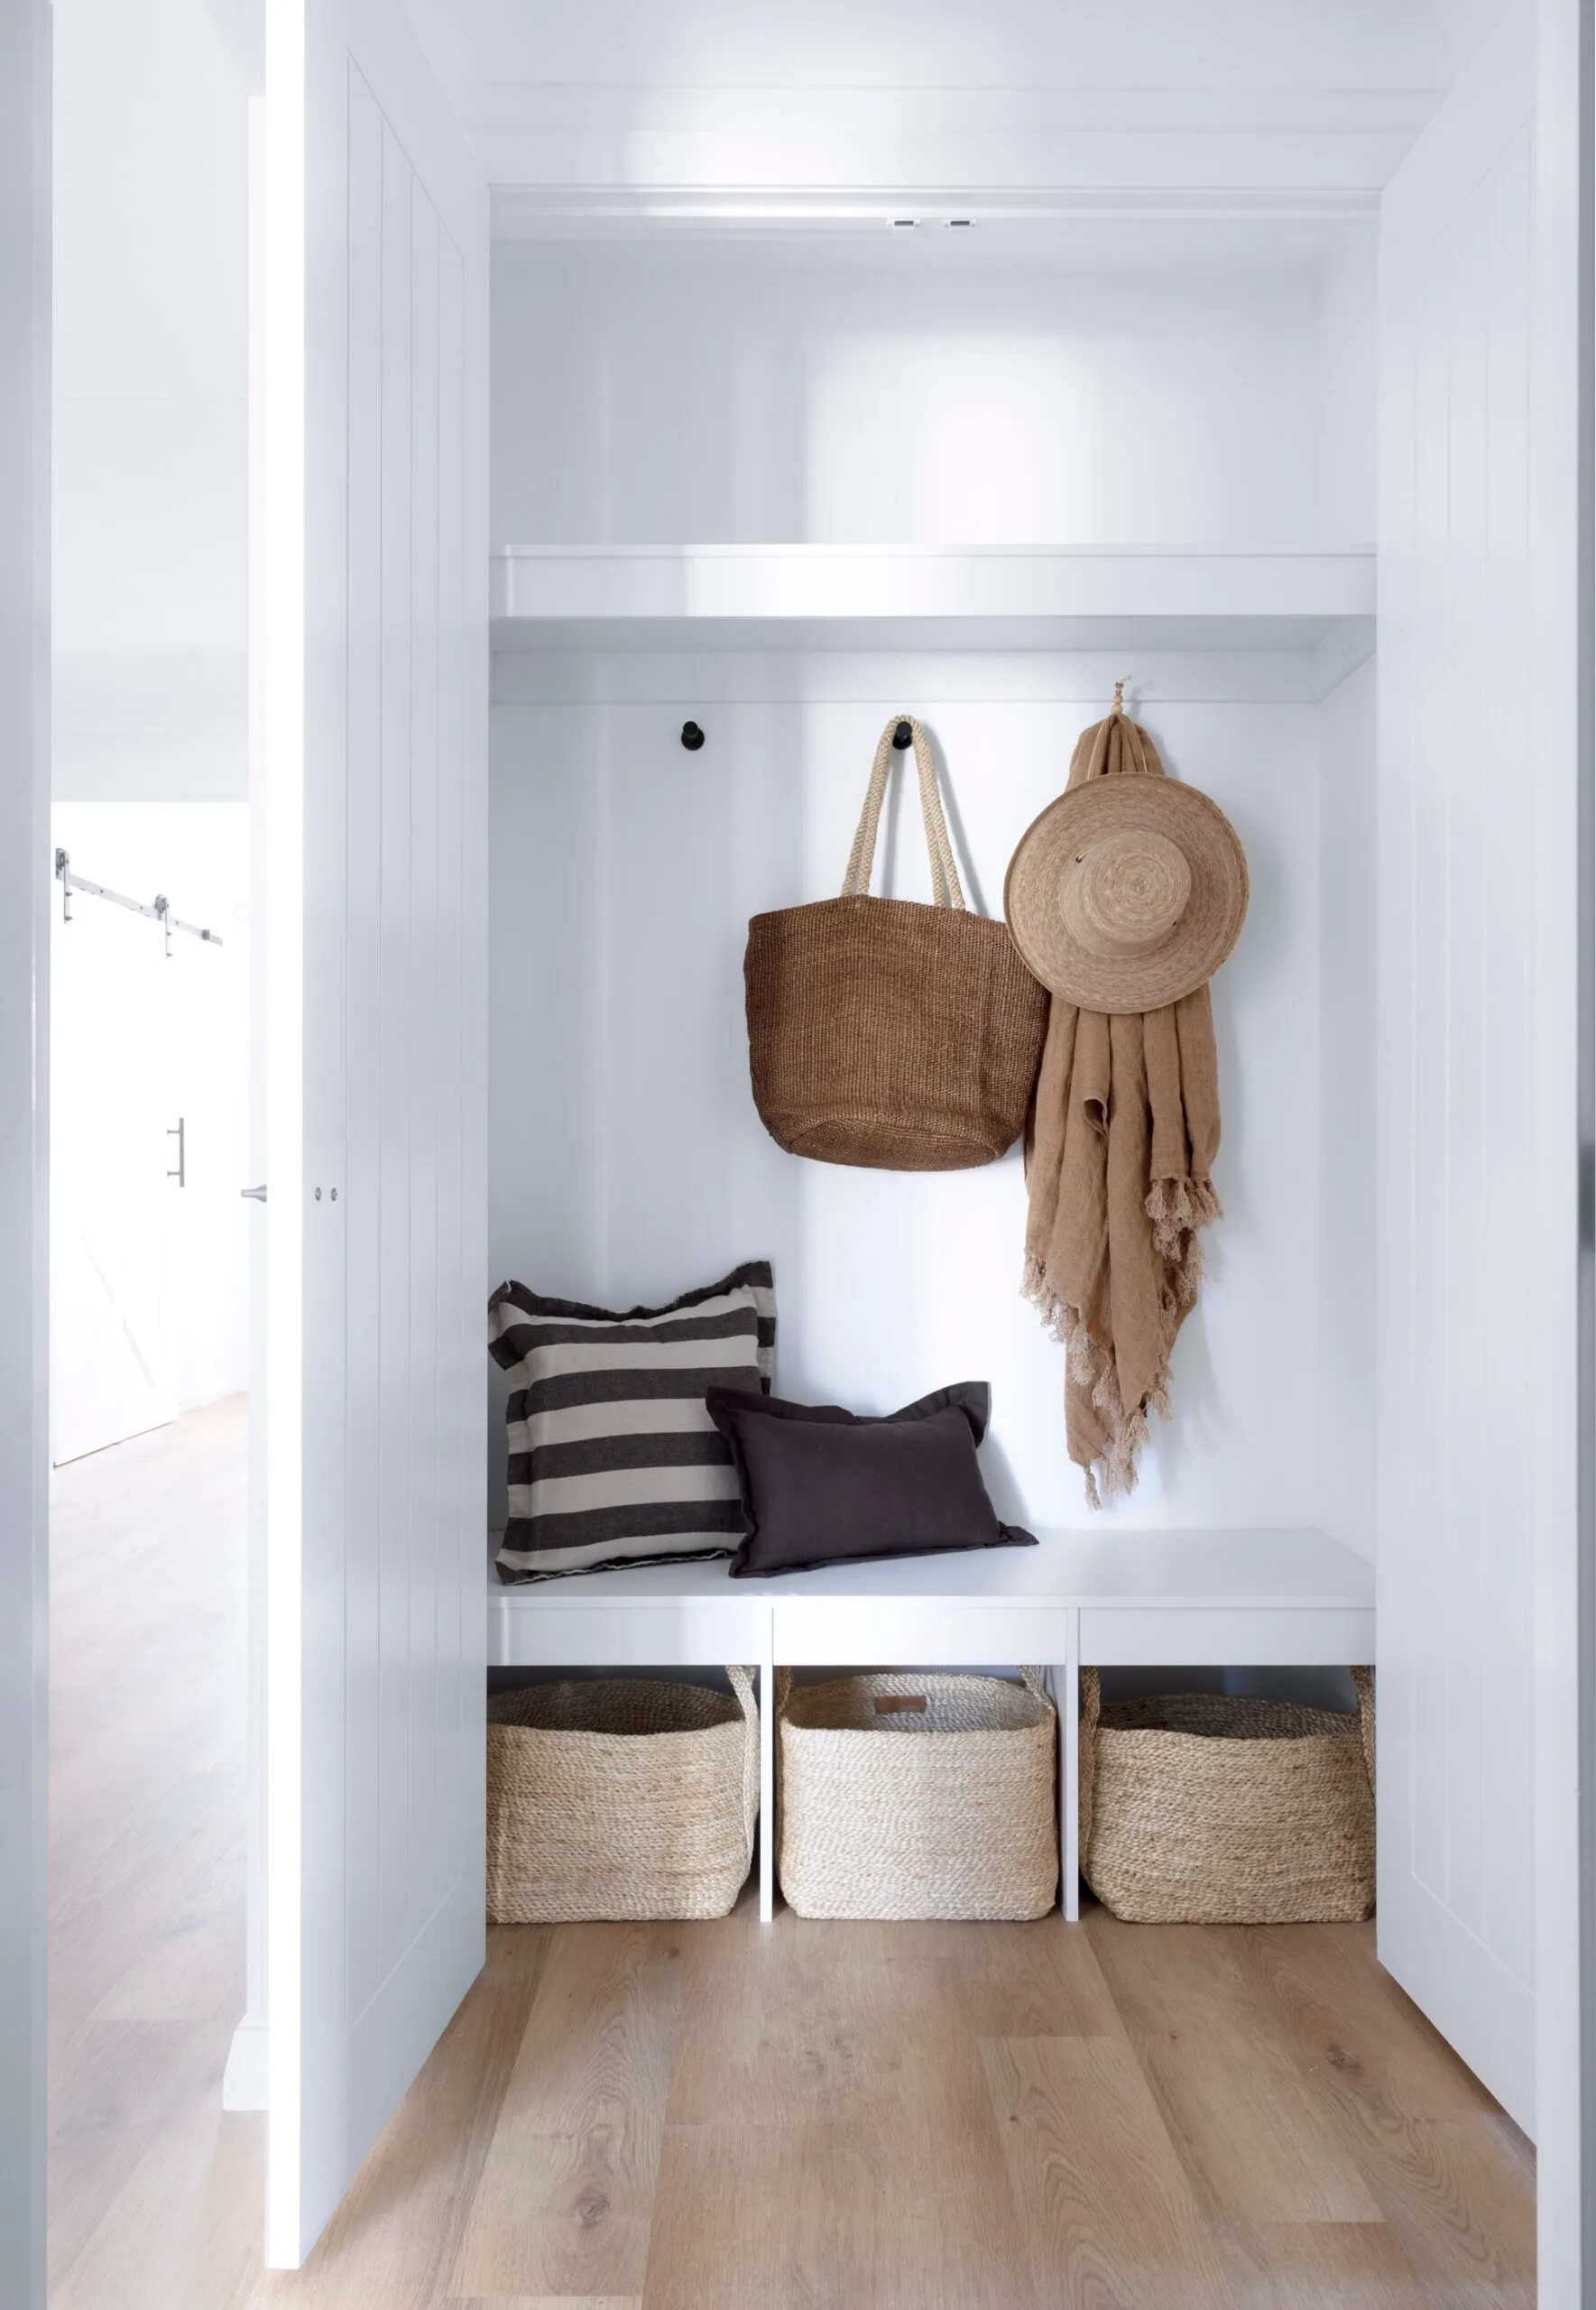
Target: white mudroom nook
x=1142 y=460
x=629 y=524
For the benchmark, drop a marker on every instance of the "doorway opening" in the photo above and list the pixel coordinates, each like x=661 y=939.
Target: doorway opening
x=154 y=1135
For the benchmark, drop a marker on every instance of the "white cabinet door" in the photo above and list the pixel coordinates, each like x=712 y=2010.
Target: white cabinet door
x=376 y=665
x=1467 y=1333
x=24 y=946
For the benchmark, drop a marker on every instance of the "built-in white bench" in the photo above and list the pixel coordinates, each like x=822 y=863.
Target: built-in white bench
x=1159 y=1599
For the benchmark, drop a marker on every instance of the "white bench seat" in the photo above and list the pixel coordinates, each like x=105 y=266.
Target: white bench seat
x=1194 y=1599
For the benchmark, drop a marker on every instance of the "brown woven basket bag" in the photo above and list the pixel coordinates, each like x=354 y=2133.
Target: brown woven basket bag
x=886 y=1034
x=1208 y=1808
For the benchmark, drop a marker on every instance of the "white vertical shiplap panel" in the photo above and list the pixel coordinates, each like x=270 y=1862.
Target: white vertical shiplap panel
x=364 y=1569
x=1457 y=1373
x=459 y=1113
x=421 y=1728
x=390 y=932
x=375 y=1723
x=1507 y=990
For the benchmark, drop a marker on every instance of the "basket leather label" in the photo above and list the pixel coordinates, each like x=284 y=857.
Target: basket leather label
x=900 y=1703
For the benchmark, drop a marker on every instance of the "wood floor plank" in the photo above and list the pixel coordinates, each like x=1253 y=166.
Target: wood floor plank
x=129 y=2084
x=1104 y=2201
x=839 y=2055
x=1248 y=2128
x=188 y=1966
x=1036 y=1979
x=1352 y=2027
x=566 y=2192
x=1316 y=2266
x=394 y=2242
x=1456 y=2196
x=1253 y=2143
x=776 y=2029
x=172 y=2238
x=743 y=2217
x=552 y=2302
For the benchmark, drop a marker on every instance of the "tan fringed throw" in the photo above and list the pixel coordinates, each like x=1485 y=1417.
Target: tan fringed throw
x=1124 y=1130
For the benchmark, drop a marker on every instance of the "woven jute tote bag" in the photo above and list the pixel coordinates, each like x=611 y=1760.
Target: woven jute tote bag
x=916 y=1796
x=887 y=1034
x=620 y=1798
x=1198 y=1808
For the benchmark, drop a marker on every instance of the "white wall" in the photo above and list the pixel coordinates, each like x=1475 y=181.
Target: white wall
x=149 y=403
x=628 y=1162
x=940 y=394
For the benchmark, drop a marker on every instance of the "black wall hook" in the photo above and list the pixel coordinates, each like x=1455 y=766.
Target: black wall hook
x=903 y=736
x=692 y=736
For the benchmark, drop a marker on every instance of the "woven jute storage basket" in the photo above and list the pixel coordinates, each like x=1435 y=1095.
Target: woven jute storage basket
x=620 y=1798
x=1198 y=1808
x=942 y=1808
x=887 y=1034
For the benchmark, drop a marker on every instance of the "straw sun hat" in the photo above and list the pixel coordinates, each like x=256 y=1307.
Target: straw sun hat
x=1127 y=894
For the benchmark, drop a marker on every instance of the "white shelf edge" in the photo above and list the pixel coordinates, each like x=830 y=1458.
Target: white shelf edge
x=1242 y=1567
x=836 y=585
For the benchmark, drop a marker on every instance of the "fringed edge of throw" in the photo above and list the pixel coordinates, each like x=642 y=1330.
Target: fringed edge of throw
x=1091 y=1366
x=1178 y=1208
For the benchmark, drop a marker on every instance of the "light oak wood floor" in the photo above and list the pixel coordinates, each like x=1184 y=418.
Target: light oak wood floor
x=713 y=2116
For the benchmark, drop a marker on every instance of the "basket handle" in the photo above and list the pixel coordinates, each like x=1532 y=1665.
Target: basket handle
x=946 y=889
x=1363 y=1684
x=1035 y=1685
x=1086 y=1737
x=742 y=1682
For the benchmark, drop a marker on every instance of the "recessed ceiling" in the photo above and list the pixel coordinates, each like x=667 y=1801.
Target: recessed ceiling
x=1184 y=45
x=634 y=116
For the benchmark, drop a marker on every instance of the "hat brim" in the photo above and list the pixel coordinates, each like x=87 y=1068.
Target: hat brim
x=1193 y=950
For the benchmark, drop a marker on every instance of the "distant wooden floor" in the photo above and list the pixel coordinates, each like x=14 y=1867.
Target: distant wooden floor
x=714 y=2117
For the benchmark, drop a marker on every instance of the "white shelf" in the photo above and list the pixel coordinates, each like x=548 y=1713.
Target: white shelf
x=1034 y=597
x=1229 y=1597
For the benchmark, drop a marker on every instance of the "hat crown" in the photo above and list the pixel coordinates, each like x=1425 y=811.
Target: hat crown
x=1122 y=892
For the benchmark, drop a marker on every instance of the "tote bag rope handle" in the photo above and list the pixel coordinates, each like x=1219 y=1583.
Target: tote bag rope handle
x=944 y=875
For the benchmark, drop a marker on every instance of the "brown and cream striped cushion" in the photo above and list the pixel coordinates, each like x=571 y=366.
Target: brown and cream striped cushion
x=614 y=1459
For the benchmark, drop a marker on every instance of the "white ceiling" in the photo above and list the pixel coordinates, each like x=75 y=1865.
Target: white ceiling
x=947 y=44
x=623 y=115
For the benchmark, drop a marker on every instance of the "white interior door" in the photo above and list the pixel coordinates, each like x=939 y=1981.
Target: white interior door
x=24 y=947
x=1470 y=1341
x=376 y=249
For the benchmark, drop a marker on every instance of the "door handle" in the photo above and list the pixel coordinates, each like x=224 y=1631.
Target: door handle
x=252 y=1195
x=180 y=1173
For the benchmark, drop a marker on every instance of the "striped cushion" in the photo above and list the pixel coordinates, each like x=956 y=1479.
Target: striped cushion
x=612 y=1457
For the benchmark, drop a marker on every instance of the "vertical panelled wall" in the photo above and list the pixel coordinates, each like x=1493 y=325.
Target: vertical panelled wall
x=414 y=1313
x=1459 y=1165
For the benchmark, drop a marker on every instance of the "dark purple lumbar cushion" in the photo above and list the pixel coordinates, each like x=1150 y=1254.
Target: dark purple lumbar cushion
x=821 y=1485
